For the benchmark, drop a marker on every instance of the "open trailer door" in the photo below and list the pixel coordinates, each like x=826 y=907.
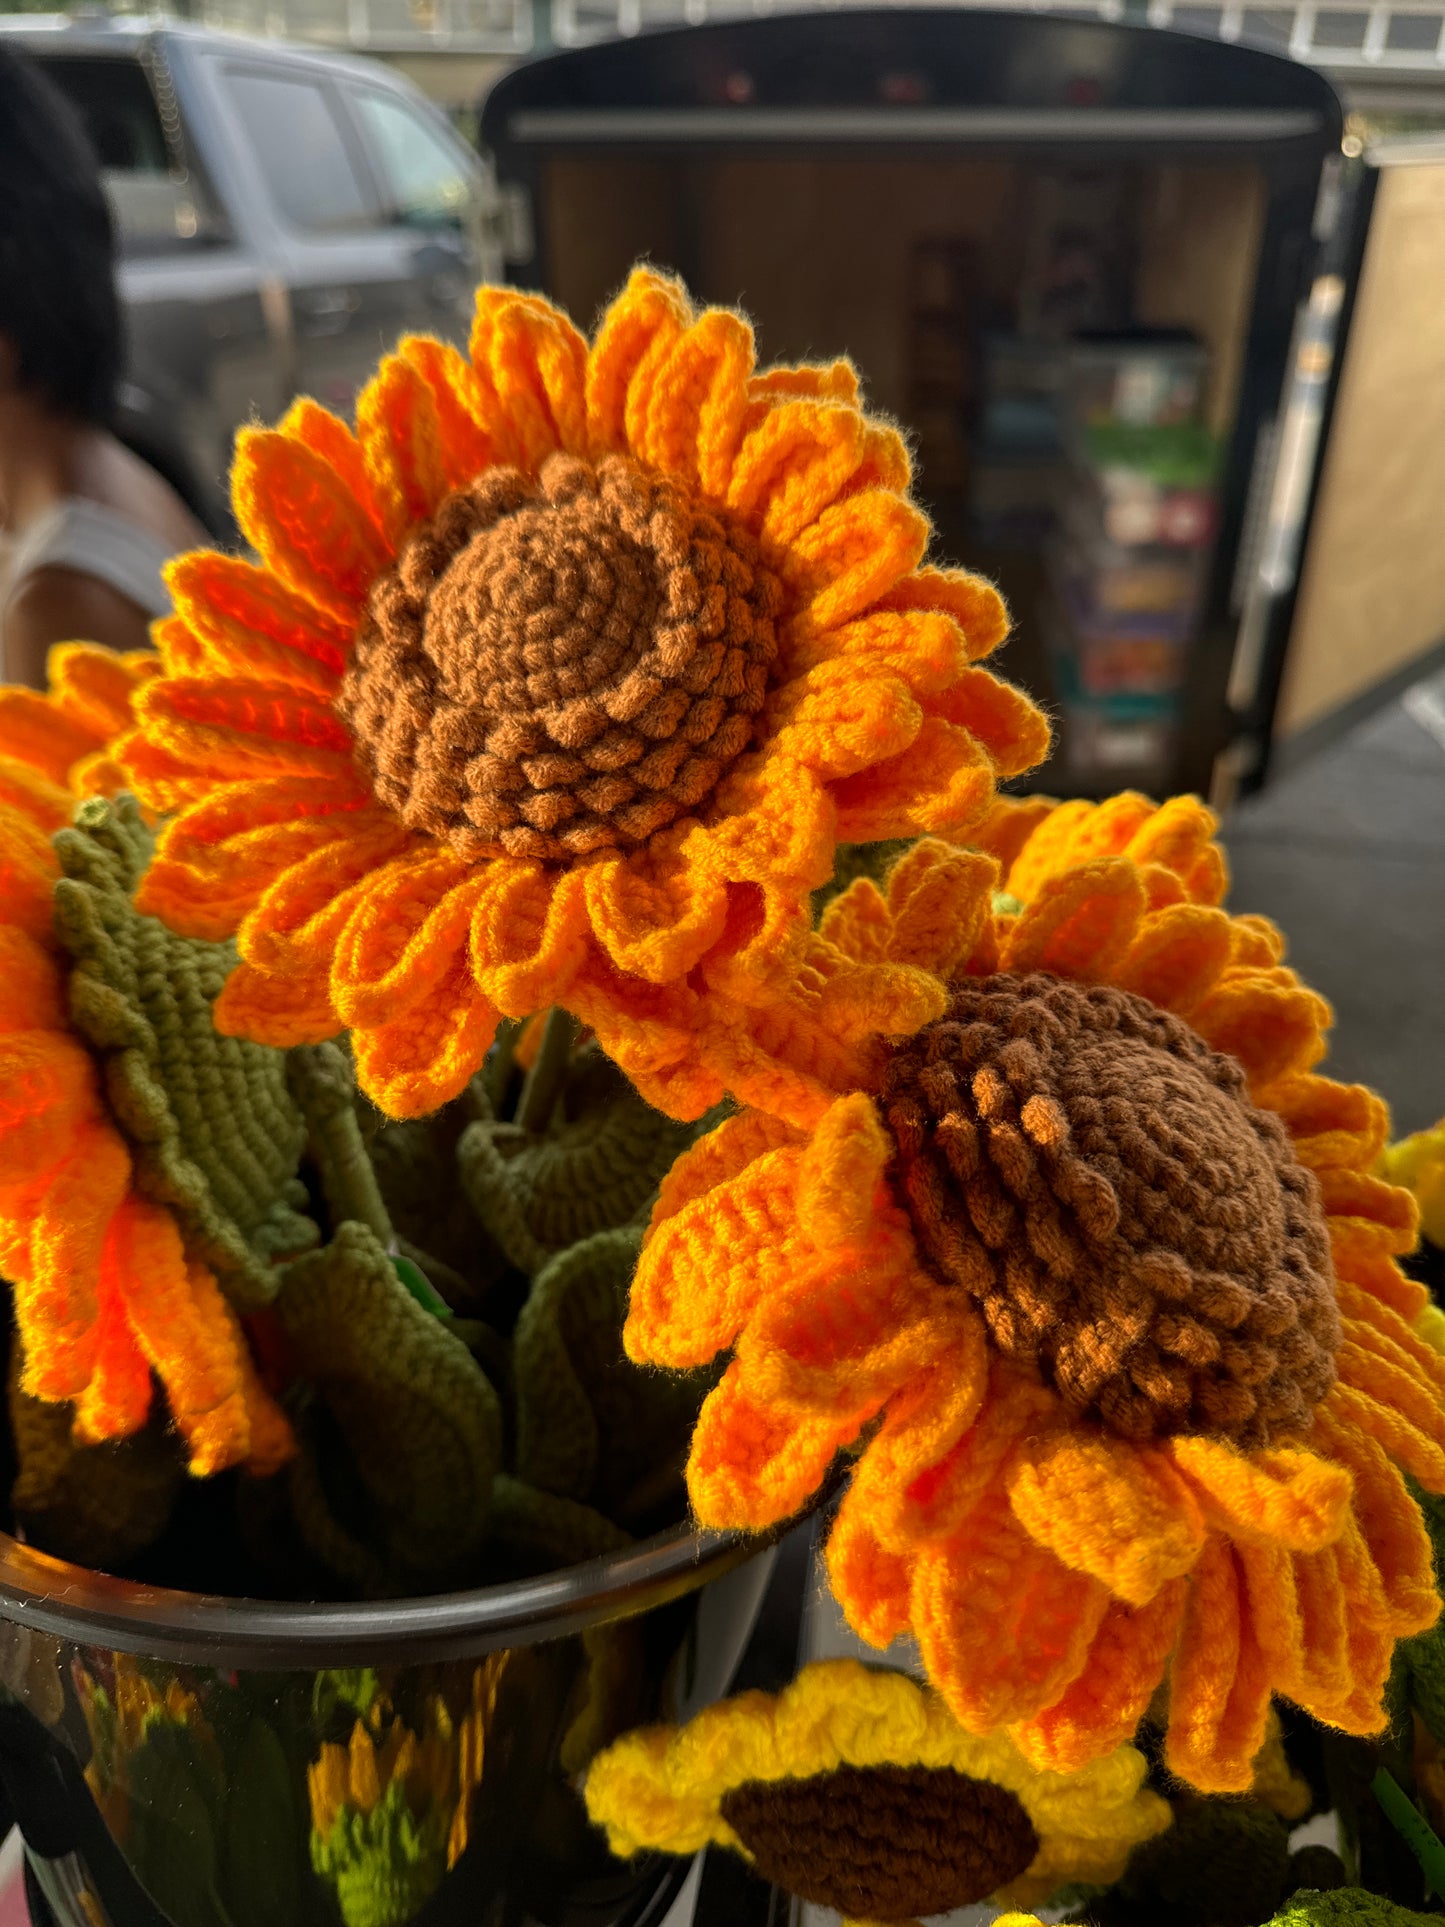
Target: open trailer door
x=1069 y=256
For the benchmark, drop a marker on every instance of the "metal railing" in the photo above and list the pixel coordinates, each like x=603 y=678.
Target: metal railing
x=496 y=27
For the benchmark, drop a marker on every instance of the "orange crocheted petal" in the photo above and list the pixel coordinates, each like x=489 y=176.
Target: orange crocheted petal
x=298 y=922
x=1008 y=723
x=463 y=444
x=751 y=1466
x=871 y=1584
x=940 y=901
x=1402 y=1342
x=1320 y=1680
x=771 y=821
x=924 y=648
x=971 y=600
x=1282 y=1495
x=1177 y=956
x=28 y=869
x=1080 y=924
x=1384 y=1395
x=859 y=923
x=1110 y=827
x=637 y=332
x=163 y=780
x=1108 y=1507
x=939 y=786
x=1008 y=826
x=1362 y=1253
x=400 y=435
x=1104 y=1705
x=654 y=913
x=1219 y=1684
x=241 y=621
x=1003 y=1627
x=46 y=803
x=98 y=775
x=693 y=423
x=537 y=364
x=408 y=929
x=228 y=727
x=852 y=555
x=867 y=1001
x=717 y=1156
x=47 y=1093
x=94 y=686
x=1384 y=1549
x=840 y=1176
x=704 y=1268
x=36 y=731
x=324 y=434
x=185 y=1329
x=1275 y=1030
x=1049 y=848
x=305 y=523
x=422 y=1059
x=528 y=934
x=1179 y=836
x=1358 y=1195
x=283 y=1011
x=57 y=1304
x=208 y=889
x=116 y=1401
x=853 y=1328
x=1334 y=1127
x=837 y=719
x=32 y=987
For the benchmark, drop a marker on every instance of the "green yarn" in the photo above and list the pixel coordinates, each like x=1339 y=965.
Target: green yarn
x=1420 y=1662
x=591 y=1425
x=854 y=860
x=1348 y=1907
x=98 y=1505
x=386 y=1864
x=211 y=1124
x=1224 y=1863
x=558 y=1532
x=421 y=1423
x=593 y=1165
x=323 y=1085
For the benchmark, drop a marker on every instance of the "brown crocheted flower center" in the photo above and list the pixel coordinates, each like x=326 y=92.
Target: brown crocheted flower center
x=1131 y=1225
x=564 y=665
x=884 y=1842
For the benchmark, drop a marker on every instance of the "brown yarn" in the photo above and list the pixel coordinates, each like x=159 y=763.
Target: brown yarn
x=561 y=666
x=1097 y=1178
x=885 y=1842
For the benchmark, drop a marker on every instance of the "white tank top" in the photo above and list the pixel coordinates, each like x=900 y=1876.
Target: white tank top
x=94 y=540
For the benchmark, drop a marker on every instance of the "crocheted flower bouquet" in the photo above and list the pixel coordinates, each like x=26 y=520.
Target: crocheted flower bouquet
x=534 y=993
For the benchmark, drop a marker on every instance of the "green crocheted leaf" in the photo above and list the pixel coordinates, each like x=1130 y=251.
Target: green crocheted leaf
x=1222 y=1864
x=1348 y=1907
x=97 y=1504
x=212 y=1127
x=421 y=1422
x=386 y=1864
x=554 y=1531
x=595 y=1166
x=854 y=860
x=590 y=1424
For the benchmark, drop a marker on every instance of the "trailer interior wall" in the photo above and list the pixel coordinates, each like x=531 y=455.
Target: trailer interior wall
x=1372 y=593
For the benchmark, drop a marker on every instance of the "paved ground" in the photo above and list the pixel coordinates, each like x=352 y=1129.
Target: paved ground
x=1347 y=855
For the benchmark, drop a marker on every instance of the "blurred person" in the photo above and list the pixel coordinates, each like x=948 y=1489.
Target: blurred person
x=88 y=523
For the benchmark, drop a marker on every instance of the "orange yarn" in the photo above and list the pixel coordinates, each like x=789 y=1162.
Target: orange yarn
x=55 y=746
x=104 y=1292
x=559 y=681
x=1053 y=1554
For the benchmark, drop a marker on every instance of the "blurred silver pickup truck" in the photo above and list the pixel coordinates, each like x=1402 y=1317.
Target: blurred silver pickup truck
x=283 y=215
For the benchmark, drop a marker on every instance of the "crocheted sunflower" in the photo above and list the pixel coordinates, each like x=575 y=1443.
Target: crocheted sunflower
x=558 y=681
x=856 y=1789
x=1097 y=1283
x=55 y=745
x=109 y=1232
x=1418 y=1162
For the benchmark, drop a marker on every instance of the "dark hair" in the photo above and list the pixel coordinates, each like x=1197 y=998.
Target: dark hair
x=58 y=304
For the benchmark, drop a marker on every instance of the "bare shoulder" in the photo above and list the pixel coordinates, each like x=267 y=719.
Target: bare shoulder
x=64 y=605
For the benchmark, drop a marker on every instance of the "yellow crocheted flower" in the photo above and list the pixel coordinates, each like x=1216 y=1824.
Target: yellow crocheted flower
x=1418 y=1162
x=55 y=745
x=104 y=1291
x=855 y=1788
x=559 y=680
x=1095 y=1281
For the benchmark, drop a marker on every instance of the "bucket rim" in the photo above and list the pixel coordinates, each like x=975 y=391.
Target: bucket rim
x=50 y=1595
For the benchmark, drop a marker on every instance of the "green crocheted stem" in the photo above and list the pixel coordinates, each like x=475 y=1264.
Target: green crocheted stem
x=1413 y=1828
x=543 y=1084
x=561 y=1531
x=422 y=1422
x=211 y=1125
x=592 y=1425
x=324 y=1087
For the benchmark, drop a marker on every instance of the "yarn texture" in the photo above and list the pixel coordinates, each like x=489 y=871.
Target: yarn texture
x=1418 y=1163
x=106 y=1289
x=560 y=679
x=55 y=743
x=1097 y=1284
x=855 y=1787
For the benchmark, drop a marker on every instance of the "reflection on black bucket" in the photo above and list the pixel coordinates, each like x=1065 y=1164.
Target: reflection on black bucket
x=185 y=1762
